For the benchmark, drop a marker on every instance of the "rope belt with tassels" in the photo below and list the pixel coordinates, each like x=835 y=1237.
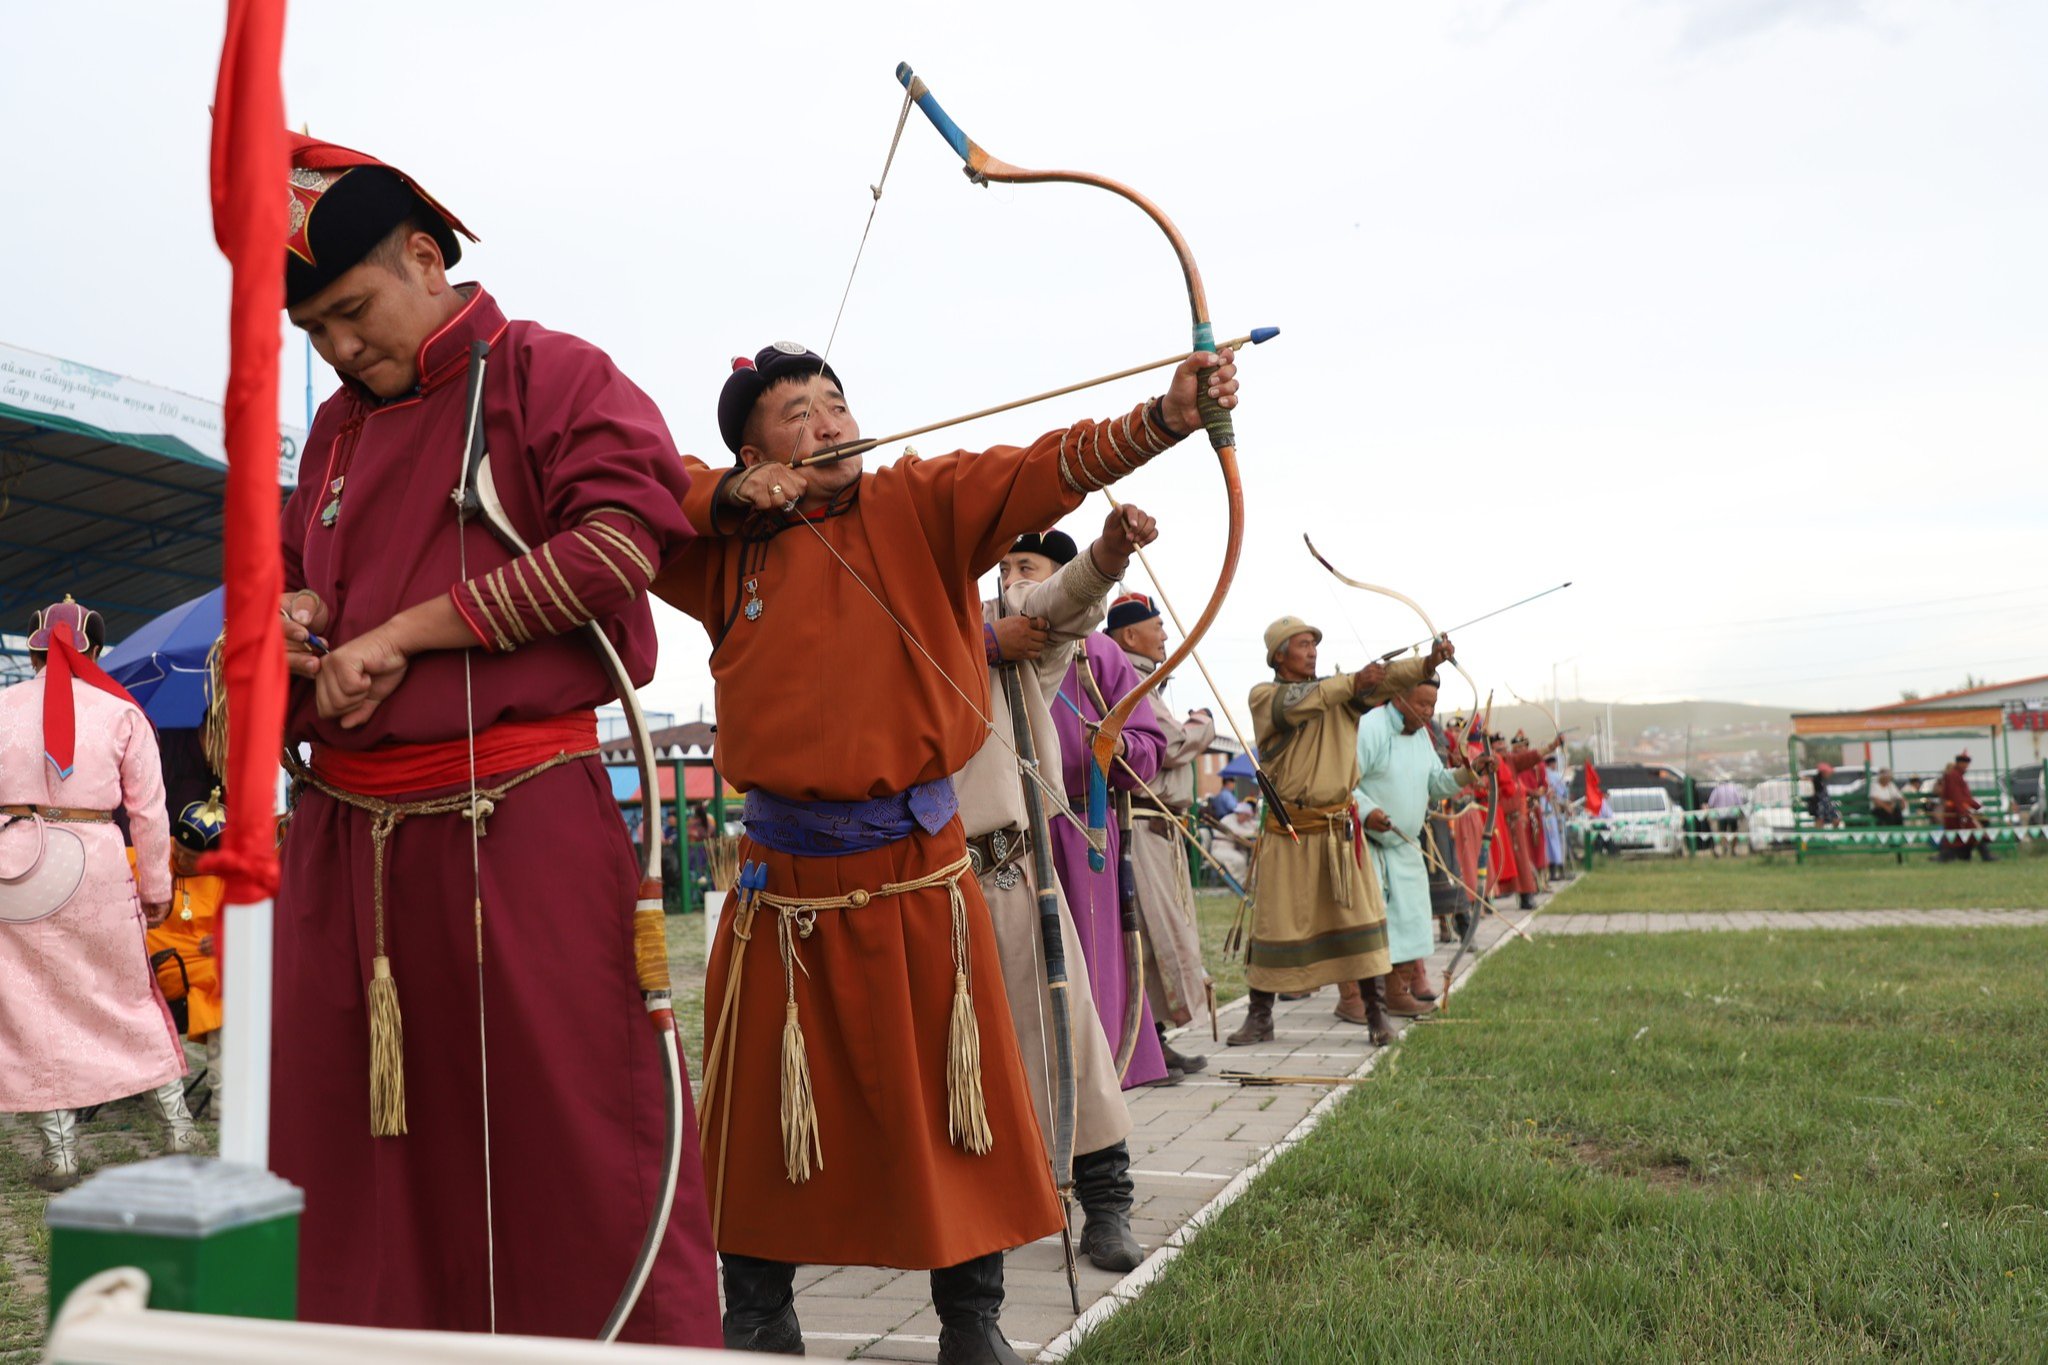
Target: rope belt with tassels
x=387 y=1027
x=797 y=918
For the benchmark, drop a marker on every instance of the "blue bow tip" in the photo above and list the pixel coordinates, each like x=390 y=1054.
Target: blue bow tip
x=1262 y=335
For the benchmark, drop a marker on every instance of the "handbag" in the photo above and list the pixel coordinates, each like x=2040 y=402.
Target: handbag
x=50 y=880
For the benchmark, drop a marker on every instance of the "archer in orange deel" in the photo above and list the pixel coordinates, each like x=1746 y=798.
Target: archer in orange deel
x=864 y=1101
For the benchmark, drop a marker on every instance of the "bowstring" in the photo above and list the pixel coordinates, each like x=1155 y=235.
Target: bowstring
x=1059 y=798
x=477 y=878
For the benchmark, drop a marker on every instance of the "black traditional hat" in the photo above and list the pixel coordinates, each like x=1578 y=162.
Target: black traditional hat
x=752 y=378
x=343 y=204
x=1057 y=546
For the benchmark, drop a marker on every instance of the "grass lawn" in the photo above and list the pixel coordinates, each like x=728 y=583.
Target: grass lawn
x=1698 y=1147
x=1837 y=882
x=124 y=1131
x=1215 y=911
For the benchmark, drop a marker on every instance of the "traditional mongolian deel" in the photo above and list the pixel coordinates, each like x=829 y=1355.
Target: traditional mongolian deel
x=81 y=1020
x=836 y=1071
x=1401 y=774
x=992 y=810
x=1094 y=895
x=1317 y=917
x=1174 y=978
x=397 y=1230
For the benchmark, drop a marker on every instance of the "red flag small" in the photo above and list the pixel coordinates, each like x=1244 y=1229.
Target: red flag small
x=1596 y=800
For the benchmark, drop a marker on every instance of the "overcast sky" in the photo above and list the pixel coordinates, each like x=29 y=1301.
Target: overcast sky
x=1728 y=310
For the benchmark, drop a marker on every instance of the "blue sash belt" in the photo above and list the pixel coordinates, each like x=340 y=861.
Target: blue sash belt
x=827 y=829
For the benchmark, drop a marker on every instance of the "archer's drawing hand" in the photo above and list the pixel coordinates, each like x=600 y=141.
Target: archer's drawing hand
x=1441 y=652
x=769 y=487
x=1019 y=638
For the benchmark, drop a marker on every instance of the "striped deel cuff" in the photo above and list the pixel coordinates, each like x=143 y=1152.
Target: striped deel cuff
x=1094 y=455
x=592 y=569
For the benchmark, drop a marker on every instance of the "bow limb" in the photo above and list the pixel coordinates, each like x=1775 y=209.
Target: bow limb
x=1064 y=1103
x=1404 y=599
x=982 y=169
x=479 y=498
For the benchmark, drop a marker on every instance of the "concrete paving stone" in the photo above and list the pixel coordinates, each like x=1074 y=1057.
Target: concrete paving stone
x=858 y=1281
x=1242 y=1153
x=853 y=1315
x=808 y=1275
x=1178 y=1157
x=1038 y=1286
x=895 y=1349
x=1036 y=1323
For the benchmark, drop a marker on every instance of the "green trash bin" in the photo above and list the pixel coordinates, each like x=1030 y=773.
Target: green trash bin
x=213 y=1236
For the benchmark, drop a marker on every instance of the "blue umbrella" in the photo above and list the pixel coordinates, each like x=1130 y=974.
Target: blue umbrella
x=163 y=665
x=1241 y=766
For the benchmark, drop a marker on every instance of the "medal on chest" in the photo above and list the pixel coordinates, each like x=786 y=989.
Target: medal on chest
x=331 y=513
x=753 y=599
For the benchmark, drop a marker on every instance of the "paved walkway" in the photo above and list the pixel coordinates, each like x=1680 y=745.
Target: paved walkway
x=1659 y=923
x=1193 y=1147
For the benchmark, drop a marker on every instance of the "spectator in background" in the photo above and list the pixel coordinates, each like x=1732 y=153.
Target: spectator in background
x=1826 y=814
x=1959 y=807
x=81 y=1019
x=1724 y=808
x=1225 y=800
x=1887 y=802
x=1918 y=802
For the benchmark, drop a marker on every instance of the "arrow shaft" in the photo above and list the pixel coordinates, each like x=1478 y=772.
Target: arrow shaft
x=833 y=454
x=1392 y=654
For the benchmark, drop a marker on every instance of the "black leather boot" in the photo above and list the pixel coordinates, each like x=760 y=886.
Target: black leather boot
x=969 y=1297
x=760 y=1306
x=1528 y=902
x=1258 y=1022
x=1379 y=1029
x=1102 y=1182
x=1178 y=1061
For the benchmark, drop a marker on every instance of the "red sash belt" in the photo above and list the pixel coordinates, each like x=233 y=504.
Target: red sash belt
x=506 y=747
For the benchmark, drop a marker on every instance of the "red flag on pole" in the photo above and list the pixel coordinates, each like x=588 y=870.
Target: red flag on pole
x=1596 y=800
x=250 y=210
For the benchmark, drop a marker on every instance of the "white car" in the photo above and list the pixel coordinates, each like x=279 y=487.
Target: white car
x=1641 y=819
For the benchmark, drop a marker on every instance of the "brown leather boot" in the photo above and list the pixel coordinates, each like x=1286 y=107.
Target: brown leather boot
x=1378 y=1028
x=1350 y=1002
x=1401 y=999
x=1418 y=980
x=1258 y=1022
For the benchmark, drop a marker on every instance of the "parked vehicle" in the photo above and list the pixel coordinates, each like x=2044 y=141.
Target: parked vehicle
x=1642 y=819
x=2025 y=786
x=1771 y=814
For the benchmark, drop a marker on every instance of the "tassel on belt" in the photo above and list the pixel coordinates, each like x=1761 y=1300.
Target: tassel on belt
x=387 y=1025
x=796 y=918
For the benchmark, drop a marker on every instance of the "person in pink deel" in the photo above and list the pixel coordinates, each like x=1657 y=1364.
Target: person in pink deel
x=82 y=1021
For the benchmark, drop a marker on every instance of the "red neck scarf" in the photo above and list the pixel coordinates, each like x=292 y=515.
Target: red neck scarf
x=60 y=717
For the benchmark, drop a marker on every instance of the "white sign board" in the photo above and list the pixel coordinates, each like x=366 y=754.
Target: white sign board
x=67 y=396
